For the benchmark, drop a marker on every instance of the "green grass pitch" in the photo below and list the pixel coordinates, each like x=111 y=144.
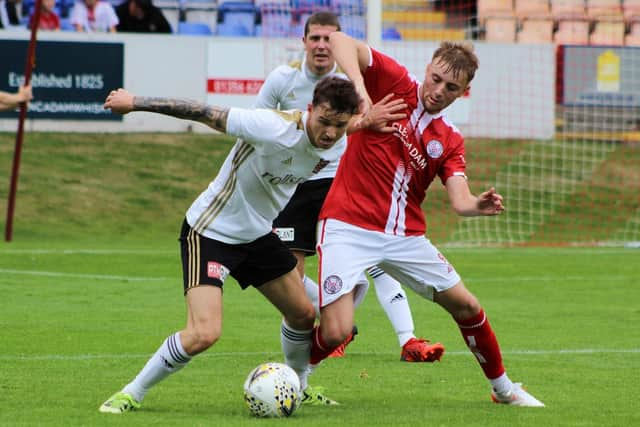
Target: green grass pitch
x=91 y=286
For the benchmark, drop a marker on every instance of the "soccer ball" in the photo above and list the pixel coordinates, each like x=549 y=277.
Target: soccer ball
x=272 y=390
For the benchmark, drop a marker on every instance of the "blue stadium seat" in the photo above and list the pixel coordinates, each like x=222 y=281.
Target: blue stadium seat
x=65 y=24
x=275 y=20
x=354 y=25
x=233 y=15
x=349 y=7
x=311 y=4
x=391 y=33
x=194 y=29
x=232 y=30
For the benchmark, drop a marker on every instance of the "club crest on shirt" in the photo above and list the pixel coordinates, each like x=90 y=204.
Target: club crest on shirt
x=434 y=149
x=332 y=284
x=216 y=270
x=321 y=164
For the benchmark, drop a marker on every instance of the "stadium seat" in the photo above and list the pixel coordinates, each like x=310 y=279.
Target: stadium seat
x=532 y=9
x=234 y=15
x=597 y=9
x=568 y=9
x=494 y=8
x=349 y=7
x=66 y=25
x=233 y=30
x=631 y=9
x=204 y=11
x=608 y=33
x=354 y=25
x=276 y=19
x=572 y=32
x=633 y=38
x=194 y=29
x=391 y=33
x=65 y=7
x=500 y=29
x=311 y=4
x=535 y=30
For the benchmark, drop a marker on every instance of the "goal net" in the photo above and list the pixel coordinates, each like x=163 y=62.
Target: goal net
x=551 y=120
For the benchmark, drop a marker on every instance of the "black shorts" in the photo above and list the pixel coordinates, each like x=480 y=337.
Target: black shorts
x=208 y=262
x=296 y=224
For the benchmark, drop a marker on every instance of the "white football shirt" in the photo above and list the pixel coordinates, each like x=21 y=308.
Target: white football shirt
x=271 y=157
x=290 y=87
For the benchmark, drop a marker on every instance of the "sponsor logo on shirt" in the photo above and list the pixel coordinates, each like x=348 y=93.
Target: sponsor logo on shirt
x=286 y=234
x=216 y=270
x=321 y=164
x=417 y=159
x=287 y=179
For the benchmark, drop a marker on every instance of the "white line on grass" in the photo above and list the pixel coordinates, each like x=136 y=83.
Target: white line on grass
x=356 y=353
x=88 y=251
x=581 y=250
x=82 y=276
x=468 y=279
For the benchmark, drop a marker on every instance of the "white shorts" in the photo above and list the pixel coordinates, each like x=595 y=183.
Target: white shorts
x=313 y=292
x=345 y=251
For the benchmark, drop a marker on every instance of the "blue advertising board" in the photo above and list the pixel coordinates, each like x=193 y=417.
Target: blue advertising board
x=70 y=80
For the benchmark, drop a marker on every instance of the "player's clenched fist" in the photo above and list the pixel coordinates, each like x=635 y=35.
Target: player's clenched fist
x=119 y=101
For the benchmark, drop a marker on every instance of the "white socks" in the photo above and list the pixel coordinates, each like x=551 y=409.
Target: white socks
x=311 y=288
x=169 y=358
x=296 y=346
x=393 y=300
x=502 y=384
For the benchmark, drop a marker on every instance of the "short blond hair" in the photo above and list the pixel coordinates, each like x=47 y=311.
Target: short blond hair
x=458 y=57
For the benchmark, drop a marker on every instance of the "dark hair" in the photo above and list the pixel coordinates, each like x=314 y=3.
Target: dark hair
x=322 y=18
x=459 y=58
x=339 y=93
x=145 y=5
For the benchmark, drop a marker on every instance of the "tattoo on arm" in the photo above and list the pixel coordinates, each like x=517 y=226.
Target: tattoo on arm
x=210 y=115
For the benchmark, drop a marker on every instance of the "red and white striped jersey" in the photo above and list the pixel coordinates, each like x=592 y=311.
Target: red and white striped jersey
x=383 y=177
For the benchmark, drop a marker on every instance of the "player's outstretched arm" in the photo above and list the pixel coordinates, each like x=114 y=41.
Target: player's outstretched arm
x=9 y=101
x=466 y=204
x=122 y=102
x=353 y=57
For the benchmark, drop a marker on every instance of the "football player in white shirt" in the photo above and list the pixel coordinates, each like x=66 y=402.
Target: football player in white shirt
x=228 y=228
x=291 y=87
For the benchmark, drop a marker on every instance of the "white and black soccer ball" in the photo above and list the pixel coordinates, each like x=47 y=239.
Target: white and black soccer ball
x=272 y=390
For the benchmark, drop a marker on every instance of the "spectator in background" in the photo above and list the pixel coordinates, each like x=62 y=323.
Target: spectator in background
x=94 y=16
x=141 y=16
x=10 y=101
x=49 y=19
x=9 y=13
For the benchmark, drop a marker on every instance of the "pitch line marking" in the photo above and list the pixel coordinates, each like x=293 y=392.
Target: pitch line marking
x=160 y=278
x=356 y=353
x=84 y=276
x=88 y=251
x=36 y=251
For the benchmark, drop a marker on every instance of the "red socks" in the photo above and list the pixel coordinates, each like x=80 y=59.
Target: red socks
x=319 y=349
x=483 y=344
